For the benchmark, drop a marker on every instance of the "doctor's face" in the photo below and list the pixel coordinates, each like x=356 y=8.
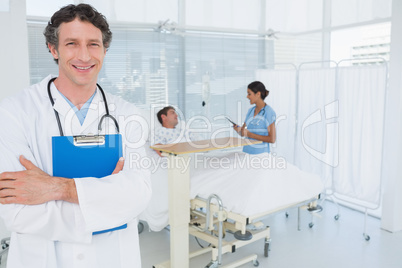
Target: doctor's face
x=80 y=53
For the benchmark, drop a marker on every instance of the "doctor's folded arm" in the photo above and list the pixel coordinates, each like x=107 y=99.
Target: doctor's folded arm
x=57 y=221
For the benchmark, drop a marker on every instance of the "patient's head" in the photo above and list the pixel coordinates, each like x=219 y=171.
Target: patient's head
x=168 y=117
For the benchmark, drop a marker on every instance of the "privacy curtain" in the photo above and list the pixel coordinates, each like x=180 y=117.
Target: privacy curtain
x=317 y=107
x=282 y=98
x=361 y=119
x=339 y=121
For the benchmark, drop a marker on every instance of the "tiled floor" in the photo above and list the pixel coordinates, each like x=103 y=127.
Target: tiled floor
x=328 y=244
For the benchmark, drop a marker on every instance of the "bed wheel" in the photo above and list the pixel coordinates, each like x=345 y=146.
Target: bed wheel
x=256 y=263
x=244 y=237
x=287 y=214
x=366 y=236
x=266 y=249
x=311 y=225
x=336 y=217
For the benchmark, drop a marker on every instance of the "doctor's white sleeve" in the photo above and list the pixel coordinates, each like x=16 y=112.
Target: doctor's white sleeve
x=55 y=220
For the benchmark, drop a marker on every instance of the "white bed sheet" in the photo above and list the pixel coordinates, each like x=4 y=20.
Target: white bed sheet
x=247 y=190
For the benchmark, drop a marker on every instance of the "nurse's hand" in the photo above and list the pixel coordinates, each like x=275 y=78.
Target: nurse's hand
x=237 y=129
x=242 y=131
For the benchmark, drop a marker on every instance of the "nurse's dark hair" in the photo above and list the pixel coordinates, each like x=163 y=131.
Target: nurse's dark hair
x=163 y=111
x=257 y=86
x=83 y=12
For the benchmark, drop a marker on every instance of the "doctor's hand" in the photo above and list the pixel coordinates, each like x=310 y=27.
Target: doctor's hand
x=119 y=166
x=33 y=186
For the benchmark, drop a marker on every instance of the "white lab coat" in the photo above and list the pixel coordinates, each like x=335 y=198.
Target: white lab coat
x=57 y=233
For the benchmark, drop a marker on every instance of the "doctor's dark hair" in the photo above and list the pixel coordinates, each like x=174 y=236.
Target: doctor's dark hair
x=257 y=86
x=164 y=111
x=83 y=12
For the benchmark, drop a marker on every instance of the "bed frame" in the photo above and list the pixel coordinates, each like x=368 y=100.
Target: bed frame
x=210 y=222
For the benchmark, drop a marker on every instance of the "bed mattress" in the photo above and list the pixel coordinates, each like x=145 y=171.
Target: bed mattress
x=247 y=184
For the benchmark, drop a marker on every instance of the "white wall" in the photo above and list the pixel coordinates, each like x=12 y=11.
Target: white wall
x=392 y=168
x=14 y=63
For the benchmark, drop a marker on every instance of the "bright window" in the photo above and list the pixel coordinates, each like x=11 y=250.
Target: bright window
x=360 y=43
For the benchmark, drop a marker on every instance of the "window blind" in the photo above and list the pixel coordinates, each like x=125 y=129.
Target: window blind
x=147 y=68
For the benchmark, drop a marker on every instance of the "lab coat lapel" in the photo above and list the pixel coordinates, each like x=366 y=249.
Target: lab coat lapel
x=69 y=121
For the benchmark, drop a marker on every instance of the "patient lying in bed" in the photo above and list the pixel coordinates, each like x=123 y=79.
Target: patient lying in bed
x=247 y=184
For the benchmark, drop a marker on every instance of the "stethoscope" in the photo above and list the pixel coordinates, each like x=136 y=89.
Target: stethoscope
x=260 y=116
x=101 y=120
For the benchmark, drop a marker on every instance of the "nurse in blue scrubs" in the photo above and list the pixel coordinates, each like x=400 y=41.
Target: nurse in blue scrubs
x=260 y=120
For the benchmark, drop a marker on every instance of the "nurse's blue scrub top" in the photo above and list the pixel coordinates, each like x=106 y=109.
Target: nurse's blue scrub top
x=259 y=125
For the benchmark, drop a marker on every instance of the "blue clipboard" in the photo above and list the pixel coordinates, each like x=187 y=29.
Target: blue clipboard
x=86 y=156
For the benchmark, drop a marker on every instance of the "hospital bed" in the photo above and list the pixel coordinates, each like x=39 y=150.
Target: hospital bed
x=231 y=197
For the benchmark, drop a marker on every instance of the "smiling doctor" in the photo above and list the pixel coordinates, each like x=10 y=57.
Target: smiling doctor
x=52 y=219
